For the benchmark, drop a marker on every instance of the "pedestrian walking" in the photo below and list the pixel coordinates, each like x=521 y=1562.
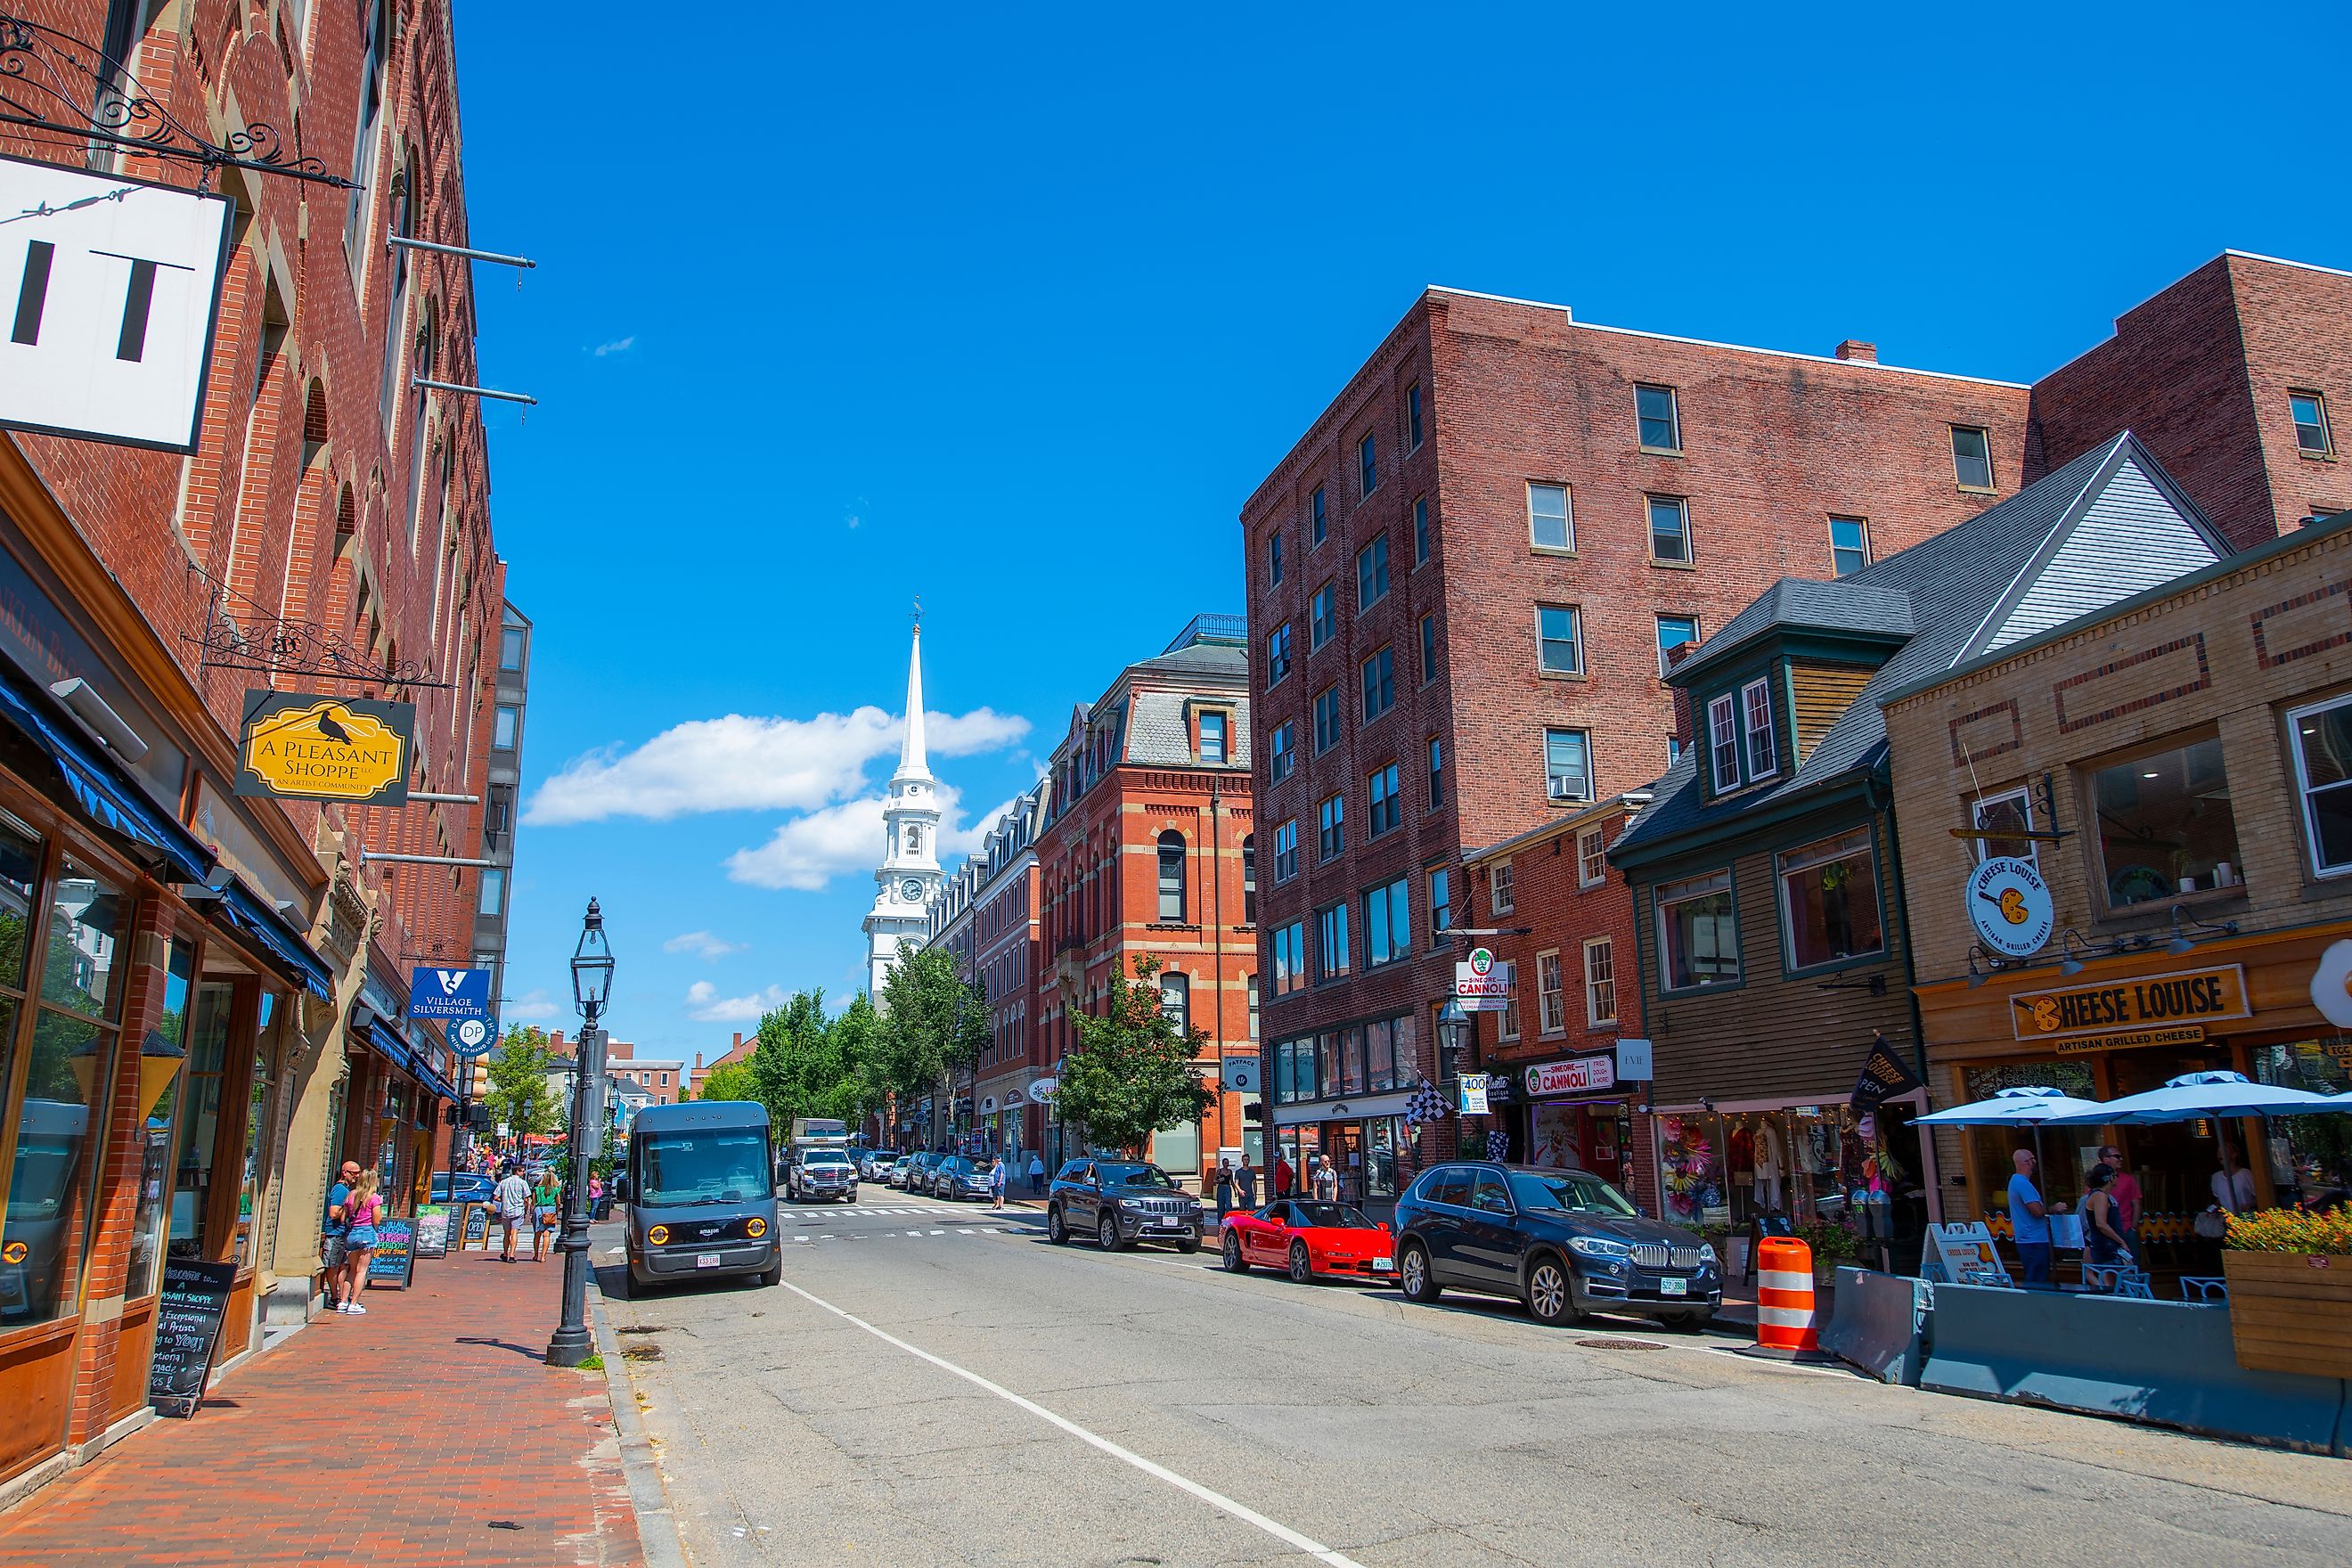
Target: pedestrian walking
x=1326 y=1180
x=1036 y=1175
x=513 y=1198
x=1246 y=1185
x=543 y=1200
x=334 y=1233
x=2029 y=1219
x=996 y=1184
x=1282 y=1175
x=1225 y=1189
x=364 y=1207
x=596 y=1197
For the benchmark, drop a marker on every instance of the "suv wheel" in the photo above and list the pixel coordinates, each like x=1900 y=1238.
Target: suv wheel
x=1234 y=1262
x=1551 y=1294
x=1107 y=1232
x=1056 y=1231
x=1302 y=1267
x=1414 y=1279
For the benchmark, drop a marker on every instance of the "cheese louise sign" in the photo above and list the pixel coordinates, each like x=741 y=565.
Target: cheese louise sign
x=2191 y=997
x=296 y=746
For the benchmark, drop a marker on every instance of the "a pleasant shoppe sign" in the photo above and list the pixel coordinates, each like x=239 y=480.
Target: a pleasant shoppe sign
x=300 y=747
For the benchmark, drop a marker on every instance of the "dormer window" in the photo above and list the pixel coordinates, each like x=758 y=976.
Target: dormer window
x=1741 y=746
x=1756 y=707
x=1723 y=742
x=1212 y=739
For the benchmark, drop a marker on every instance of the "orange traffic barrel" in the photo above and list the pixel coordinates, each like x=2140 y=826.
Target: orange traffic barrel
x=1784 y=1295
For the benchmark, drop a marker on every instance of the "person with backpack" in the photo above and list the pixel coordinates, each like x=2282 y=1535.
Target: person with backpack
x=543 y=1200
x=364 y=1208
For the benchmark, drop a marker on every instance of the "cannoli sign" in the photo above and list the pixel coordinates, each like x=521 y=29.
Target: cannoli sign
x=300 y=747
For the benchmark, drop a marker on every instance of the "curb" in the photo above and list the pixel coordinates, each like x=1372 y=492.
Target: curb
x=656 y=1531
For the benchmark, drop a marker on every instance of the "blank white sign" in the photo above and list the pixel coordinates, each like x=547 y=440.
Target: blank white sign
x=109 y=289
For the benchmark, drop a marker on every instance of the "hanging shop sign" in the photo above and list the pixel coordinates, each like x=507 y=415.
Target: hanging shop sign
x=1041 y=1091
x=461 y=1000
x=1482 y=985
x=2117 y=1006
x=296 y=746
x=115 y=284
x=1636 y=1061
x=1238 y=1074
x=2010 y=907
x=1585 y=1075
x=1474 y=1093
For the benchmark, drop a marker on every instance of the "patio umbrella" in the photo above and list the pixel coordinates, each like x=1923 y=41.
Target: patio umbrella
x=2027 y=1107
x=2194 y=1097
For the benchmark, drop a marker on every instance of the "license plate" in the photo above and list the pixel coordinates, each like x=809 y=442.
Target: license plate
x=1383 y=1264
x=1674 y=1287
x=705 y=1261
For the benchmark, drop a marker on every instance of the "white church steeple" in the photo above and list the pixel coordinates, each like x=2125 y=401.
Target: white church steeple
x=909 y=872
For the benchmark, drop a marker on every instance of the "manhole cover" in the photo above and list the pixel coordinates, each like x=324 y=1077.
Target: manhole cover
x=641 y=1352
x=1591 y=1345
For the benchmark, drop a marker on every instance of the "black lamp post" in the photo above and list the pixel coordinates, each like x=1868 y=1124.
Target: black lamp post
x=1454 y=1028
x=592 y=986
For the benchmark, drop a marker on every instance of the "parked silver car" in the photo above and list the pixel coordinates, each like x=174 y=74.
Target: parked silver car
x=898 y=1171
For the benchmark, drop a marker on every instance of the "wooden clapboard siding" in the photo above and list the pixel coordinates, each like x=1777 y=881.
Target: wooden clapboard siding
x=1819 y=695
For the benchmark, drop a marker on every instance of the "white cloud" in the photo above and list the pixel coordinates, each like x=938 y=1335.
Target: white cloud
x=617 y=346
x=530 y=1007
x=810 y=851
x=703 y=945
x=740 y=763
x=705 y=1005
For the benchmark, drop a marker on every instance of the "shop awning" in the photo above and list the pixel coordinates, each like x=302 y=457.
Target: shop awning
x=105 y=790
x=245 y=911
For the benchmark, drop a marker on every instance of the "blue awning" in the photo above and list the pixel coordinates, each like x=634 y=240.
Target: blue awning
x=106 y=791
x=246 y=910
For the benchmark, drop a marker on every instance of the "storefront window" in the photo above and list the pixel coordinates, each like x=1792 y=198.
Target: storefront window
x=1829 y=900
x=2311 y=1156
x=200 y=1112
x=2166 y=827
x=166 y=1041
x=1384 y=1136
x=1697 y=932
x=1690 y=1170
x=1379 y=1055
x=260 y=1133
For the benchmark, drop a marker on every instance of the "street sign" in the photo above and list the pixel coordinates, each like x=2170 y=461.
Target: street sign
x=115 y=285
x=460 y=999
x=1240 y=1075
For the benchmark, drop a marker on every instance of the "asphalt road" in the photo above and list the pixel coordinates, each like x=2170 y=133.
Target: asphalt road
x=938 y=1384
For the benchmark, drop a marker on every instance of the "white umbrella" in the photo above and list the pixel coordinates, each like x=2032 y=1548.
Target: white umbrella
x=2197 y=1096
x=2026 y=1107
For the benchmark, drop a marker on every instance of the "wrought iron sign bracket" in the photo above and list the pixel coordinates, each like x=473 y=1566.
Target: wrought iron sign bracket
x=274 y=646
x=53 y=84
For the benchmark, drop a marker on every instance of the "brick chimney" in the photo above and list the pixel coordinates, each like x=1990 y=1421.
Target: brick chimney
x=1856 y=349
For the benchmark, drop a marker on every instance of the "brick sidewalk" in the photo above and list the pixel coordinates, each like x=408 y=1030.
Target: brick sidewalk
x=426 y=1433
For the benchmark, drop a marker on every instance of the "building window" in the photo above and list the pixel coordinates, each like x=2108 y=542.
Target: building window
x=1330 y=827
x=1673 y=631
x=1723 y=741
x=1290 y=958
x=2322 y=768
x=1441 y=907
x=1550 y=524
x=1330 y=942
x=1436 y=772
x=1176 y=1000
x=1278 y=653
x=1212 y=739
x=1388 y=923
x=1697 y=933
x=1385 y=807
x=1849 y=545
x=2011 y=811
x=510 y=648
x=505 y=727
x=1321 y=620
x=1567 y=766
x=2309 y=411
x=1551 y=1003
x=1756 y=716
x=1326 y=720
x=1971 y=458
x=494 y=892
x=1559 y=647
x=1670 y=529
x=1286 y=851
x=1428 y=649
x=1599 y=982
x=1318 y=522
x=1249 y=982
x=1379 y=684
x=1372 y=572
x=1249 y=879
x=1282 y=751
x=1412 y=418
x=1660 y=418
x=1498 y=888
x=1591 y=858
x=1274 y=559
x=1829 y=900
x=1508 y=1028
x=1420 y=531
x=1171 y=876
x=2166 y=827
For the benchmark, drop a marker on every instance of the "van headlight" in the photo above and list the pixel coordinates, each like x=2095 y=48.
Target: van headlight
x=658 y=1234
x=755 y=1227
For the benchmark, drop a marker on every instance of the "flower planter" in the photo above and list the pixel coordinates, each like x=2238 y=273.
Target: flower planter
x=2291 y=1311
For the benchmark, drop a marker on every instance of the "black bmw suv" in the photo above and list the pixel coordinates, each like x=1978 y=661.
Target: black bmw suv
x=1120 y=1203
x=1564 y=1242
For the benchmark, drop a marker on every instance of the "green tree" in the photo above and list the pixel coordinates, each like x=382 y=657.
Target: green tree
x=519 y=1095
x=857 y=1036
x=733 y=1081
x=1132 y=1073
x=934 y=1024
x=800 y=1067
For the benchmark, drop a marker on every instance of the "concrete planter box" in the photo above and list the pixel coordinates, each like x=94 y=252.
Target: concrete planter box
x=2291 y=1311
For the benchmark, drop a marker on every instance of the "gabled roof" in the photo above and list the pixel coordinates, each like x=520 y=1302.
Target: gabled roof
x=2107 y=526
x=1848 y=607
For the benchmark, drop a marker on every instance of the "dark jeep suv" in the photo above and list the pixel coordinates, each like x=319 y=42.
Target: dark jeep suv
x=1120 y=1203
x=1564 y=1242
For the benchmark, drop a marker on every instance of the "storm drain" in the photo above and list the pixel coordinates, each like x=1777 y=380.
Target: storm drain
x=641 y=1352
x=1596 y=1345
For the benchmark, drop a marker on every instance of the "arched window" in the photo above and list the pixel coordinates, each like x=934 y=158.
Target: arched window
x=1171 y=876
x=1176 y=999
x=914 y=839
x=1249 y=879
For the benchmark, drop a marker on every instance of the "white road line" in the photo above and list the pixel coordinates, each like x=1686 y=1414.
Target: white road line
x=938 y=1233
x=1215 y=1499
x=914 y=1232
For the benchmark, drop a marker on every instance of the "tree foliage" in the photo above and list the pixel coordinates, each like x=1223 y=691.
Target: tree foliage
x=518 y=1096
x=934 y=1025
x=733 y=1081
x=1132 y=1073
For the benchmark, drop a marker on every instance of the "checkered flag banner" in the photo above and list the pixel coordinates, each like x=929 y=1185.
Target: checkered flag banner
x=1498 y=1145
x=1426 y=1104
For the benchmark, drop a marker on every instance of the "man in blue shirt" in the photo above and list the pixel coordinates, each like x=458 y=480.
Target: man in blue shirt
x=2029 y=1216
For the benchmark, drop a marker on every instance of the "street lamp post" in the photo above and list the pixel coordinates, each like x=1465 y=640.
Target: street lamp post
x=1453 y=1033
x=592 y=986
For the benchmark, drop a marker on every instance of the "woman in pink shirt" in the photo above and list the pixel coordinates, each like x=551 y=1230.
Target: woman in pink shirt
x=2124 y=1192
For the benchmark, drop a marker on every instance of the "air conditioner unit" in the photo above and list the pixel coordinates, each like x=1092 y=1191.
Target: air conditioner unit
x=1563 y=789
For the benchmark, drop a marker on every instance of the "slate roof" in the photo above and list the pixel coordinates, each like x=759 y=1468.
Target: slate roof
x=1951 y=586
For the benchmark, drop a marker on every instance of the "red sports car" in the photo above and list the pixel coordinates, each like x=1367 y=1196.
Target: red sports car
x=1308 y=1240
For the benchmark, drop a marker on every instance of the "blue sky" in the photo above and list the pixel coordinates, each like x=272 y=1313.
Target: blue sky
x=1013 y=312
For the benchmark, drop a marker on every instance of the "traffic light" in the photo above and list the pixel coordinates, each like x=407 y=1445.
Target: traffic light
x=1254 y=1111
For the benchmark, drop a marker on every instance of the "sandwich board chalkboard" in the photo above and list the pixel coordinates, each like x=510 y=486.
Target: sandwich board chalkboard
x=187 y=1332
x=477 y=1229
x=432 y=1230
x=394 y=1257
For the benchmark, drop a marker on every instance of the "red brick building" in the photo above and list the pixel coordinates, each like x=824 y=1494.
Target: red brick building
x=986 y=913
x=330 y=529
x=1149 y=849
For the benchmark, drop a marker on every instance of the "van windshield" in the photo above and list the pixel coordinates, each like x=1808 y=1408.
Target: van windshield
x=720 y=1166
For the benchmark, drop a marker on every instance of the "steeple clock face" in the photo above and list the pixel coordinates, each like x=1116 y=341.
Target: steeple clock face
x=911 y=890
